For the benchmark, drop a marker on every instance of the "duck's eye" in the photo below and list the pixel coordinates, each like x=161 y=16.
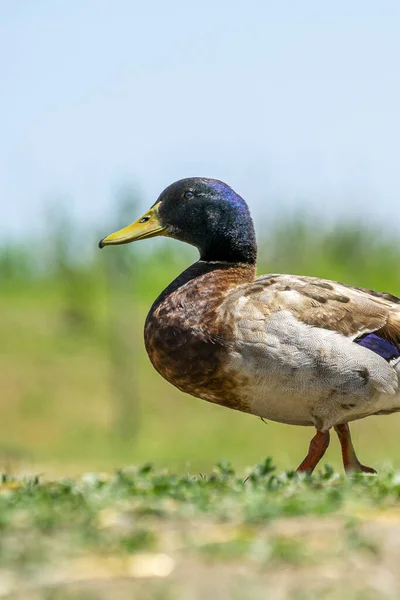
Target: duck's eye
x=144 y=220
x=188 y=194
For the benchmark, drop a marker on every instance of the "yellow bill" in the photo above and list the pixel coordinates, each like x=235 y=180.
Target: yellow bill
x=147 y=226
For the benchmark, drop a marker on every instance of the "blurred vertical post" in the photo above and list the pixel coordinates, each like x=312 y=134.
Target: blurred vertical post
x=122 y=337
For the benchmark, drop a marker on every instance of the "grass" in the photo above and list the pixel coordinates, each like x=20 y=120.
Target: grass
x=158 y=530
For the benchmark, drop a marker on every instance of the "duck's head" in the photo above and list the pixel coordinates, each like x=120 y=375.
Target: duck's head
x=205 y=213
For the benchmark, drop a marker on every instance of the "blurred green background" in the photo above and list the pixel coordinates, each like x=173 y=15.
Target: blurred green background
x=78 y=392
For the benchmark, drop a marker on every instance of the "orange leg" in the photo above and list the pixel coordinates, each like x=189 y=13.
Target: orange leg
x=318 y=446
x=350 y=460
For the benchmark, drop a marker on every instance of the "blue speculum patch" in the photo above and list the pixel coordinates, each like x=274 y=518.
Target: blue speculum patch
x=380 y=346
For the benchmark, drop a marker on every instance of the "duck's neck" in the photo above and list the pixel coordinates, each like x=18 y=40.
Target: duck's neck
x=230 y=250
x=233 y=241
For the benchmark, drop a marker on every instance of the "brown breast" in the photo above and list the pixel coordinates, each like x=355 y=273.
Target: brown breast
x=185 y=340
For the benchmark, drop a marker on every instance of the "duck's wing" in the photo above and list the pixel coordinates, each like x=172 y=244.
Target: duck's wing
x=351 y=312
x=346 y=338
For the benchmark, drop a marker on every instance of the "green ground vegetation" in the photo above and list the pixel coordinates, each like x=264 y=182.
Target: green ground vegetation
x=149 y=533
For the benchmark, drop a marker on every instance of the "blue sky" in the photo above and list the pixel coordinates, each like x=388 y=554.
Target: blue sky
x=295 y=104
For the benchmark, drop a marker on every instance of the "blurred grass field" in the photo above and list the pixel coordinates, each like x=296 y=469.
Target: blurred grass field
x=154 y=534
x=78 y=392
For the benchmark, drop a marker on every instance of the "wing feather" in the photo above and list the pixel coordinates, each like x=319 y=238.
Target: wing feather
x=350 y=311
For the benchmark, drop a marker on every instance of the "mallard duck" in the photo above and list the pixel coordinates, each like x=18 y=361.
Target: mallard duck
x=297 y=350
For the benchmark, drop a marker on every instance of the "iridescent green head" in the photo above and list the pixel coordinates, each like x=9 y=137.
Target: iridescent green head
x=205 y=213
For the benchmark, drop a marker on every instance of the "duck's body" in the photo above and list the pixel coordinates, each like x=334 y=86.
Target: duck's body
x=265 y=345
x=297 y=350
